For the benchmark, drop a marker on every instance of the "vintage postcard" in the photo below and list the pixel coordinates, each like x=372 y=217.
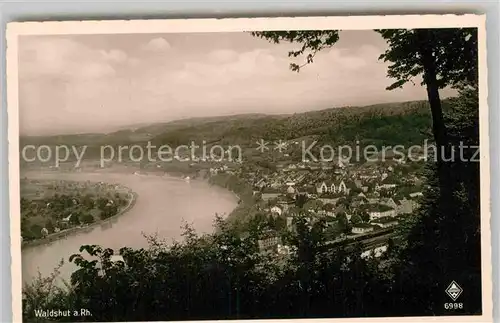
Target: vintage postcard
x=324 y=168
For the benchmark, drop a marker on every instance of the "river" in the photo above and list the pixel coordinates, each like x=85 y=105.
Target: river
x=163 y=205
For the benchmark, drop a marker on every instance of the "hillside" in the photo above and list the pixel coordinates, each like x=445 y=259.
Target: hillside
x=382 y=124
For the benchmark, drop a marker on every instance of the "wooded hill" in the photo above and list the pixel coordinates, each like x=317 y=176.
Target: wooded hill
x=402 y=123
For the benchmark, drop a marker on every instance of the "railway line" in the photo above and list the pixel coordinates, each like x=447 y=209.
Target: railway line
x=368 y=241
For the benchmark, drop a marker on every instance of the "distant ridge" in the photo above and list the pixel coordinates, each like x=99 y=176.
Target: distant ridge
x=377 y=123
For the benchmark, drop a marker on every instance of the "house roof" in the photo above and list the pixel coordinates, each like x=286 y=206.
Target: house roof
x=308 y=189
x=385 y=219
x=378 y=208
x=387 y=200
x=389 y=180
x=340 y=208
x=403 y=201
x=362 y=226
x=270 y=190
x=269 y=234
x=115 y=258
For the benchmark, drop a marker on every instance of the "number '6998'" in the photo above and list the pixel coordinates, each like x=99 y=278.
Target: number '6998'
x=453 y=306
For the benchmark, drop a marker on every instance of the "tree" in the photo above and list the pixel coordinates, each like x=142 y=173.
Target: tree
x=344 y=223
x=280 y=223
x=344 y=201
x=36 y=231
x=356 y=219
x=313 y=205
x=445 y=57
x=109 y=211
x=74 y=219
x=308 y=240
x=271 y=222
x=88 y=202
x=312 y=41
x=300 y=200
x=49 y=225
x=463 y=120
x=87 y=218
x=456 y=254
x=328 y=207
x=365 y=216
x=257 y=222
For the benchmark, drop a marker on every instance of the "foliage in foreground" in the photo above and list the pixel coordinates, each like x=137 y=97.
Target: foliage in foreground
x=219 y=276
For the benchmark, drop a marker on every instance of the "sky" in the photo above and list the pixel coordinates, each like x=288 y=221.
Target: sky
x=100 y=83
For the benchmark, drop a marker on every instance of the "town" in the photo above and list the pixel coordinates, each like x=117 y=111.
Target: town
x=354 y=199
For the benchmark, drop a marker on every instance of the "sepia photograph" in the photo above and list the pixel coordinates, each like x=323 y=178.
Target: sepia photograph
x=250 y=169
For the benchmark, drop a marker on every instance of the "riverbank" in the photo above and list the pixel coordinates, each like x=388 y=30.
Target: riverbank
x=164 y=206
x=240 y=215
x=235 y=213
x=64 y=233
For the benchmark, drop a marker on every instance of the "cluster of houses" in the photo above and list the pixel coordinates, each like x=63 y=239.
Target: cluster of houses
x=379 y=193
x=382 y=192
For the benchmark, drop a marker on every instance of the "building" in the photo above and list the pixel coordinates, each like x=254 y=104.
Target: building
x=275 y=210
x=261 y=184
x=385 y=186
x=389 y=202
x=416 y=194
x=342 y=188
x=406 y=206
x=329 y=200
x=362 y=228
x=326 y=166
x=400 y=161
x=332 y=188
x=322 y=188
x=388 y=183
x=289 y=223
x=269 y=241
x=380 y=211
x=385 y=222
x=270 y=196
x=67 y=219
x=377 y=252
x=116 y=258
x=283 y=250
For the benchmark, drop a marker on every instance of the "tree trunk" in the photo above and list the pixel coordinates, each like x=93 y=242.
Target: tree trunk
x=443 y=150
x=430 y=79
x=438 y=125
